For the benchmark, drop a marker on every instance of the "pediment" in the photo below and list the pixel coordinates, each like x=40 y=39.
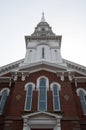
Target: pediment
x=41 y=116
x=41 y=120
x=52 y=67
x=15 y=66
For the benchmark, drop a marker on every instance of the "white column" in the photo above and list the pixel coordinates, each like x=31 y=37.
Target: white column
x=58 y=125
x=25 y=125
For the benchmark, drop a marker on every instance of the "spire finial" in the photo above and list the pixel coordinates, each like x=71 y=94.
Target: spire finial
x=43 y=18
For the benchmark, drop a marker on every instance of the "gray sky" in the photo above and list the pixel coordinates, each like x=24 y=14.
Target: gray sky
x=19 y=17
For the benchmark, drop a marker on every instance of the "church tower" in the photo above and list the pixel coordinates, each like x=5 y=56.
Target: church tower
x=43 y=90
x=43 y=46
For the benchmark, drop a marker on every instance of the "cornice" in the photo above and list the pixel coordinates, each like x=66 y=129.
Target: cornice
x=15 y=67
x=10 y=67
x=75 y=67
x=29 y=38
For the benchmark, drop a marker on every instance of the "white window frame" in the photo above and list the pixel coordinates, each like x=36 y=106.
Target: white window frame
x=47 y=88
x=84 y=91
x=38 y=81
x=26 y=89
x=8 y=90
x=59 y=88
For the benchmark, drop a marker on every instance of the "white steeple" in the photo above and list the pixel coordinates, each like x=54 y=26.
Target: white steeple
x=43 y=18
x=43 y=45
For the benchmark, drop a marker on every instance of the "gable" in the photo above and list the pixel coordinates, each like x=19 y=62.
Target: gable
x=42 y=115
x=41 y=120
x=70 y=66
x=52 y=67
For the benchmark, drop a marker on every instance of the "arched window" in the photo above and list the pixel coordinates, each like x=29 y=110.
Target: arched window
x=28 y=101
x=42 y=93
x=82 y=94
x=56 y=101
x=3 y=93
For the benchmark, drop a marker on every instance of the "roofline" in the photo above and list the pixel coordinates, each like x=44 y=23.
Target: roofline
x=56 y=37
x=42 y=112
x=15 y=66
x=76 y=67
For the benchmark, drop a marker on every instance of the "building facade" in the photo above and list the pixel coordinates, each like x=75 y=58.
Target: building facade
x=43 y=91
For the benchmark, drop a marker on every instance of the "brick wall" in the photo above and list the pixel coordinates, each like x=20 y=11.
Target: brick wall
x=70 y=104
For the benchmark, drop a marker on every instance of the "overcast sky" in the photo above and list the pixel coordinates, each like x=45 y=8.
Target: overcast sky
x=19 y=18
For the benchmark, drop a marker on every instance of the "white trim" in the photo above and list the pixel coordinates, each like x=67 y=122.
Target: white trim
x=8 y=90
x=77 y=91
x=10 y=67
x=7 y=93
x=42 y=112
x=75 y=67
x=16 y=65
x=26 y=89
x=43 y=43
x=42 y=120
x=51 y=86
x=43 y=65
x=30 y=83
x=47 y=82
x=81 y=100
x=59 y=88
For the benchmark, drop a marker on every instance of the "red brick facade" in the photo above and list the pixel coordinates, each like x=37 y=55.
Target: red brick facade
x=71 y=110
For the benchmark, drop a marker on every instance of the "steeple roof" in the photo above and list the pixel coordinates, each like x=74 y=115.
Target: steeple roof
x=43 y=29
x=43 y=18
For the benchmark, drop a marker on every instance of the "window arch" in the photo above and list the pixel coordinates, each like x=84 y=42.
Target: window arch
x=82 y=93
x=42 y=86
x=38 y=82
x=29 y=87
x=55 y=87
x=3 y=93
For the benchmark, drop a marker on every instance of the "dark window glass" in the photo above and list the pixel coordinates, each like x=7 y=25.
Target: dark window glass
x=83 y=101
x=28 y=98
x=3 y=100
x=43 y=53
x=42 y=95
x=56 y=101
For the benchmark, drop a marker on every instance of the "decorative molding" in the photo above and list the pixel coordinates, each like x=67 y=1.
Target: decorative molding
x=10 y=67
x=76 y=67
x=70 y=76
x=29 y=83
x=18 y=97
x=58 y=85
x=66 y=97
x=41 y=120
x=62 y=76
x=38 y=81
x=15 y=66
x=22 y=74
